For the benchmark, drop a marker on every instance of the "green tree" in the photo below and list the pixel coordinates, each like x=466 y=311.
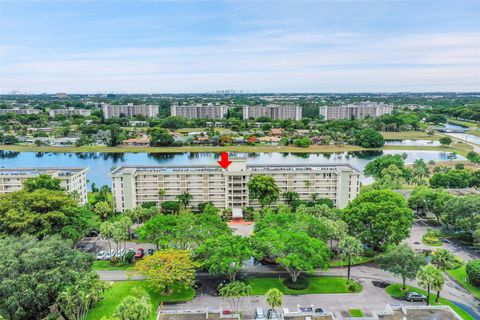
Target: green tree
x=103 y=209
x=443 y=259
x=159 y=137
x=134 y=308
x=170 y=206
x=168 y=267
x=430 y=278
x=235 y=292
x=274 y=298
x=75 y=300
x=296 y=252
x=423 y=199
x=445 y=141
x=420 y=172
x=401 y=261
x=184 y=199
x=224 y=254
x=369 y=138
x=391 y=178
x=34 y=272
x=350 y=248
x=379 y=218
x=43 y=181
x=302 y=142
x=291 y=197
x=473 y=157
x=264 y=189
x=375 y=167
x=473 y=272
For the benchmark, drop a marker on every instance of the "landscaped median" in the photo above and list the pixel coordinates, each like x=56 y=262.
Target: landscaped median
x=395 y=291
x=122 y=289
x=316 y=285
x=106 y=265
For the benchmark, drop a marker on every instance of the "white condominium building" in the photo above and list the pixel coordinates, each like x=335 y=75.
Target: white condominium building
x=199 y=111
x=356 y=111
x=17 y=110
x=71 y=179
x=69 y=112
x=135 y=185
x=129 y=110
x=275 y=112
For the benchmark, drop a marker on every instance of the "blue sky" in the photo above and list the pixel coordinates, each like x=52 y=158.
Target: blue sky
x=255 y=46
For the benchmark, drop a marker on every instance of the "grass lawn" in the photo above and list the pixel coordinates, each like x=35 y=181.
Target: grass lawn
x=92 y=195
x=357 y=261
x=316 y=285
x=437 y=243
x=395 y=290
x=106 y=265
x=114 y=296
x=356 y=313
x=460 y=275
x=409 y=135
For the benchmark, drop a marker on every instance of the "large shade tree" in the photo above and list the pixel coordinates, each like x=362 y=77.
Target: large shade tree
x=379 y=218
x=264 y=189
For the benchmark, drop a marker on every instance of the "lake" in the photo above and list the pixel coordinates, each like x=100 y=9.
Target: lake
x=100 y=164
x=467 y=137
x=430 y=143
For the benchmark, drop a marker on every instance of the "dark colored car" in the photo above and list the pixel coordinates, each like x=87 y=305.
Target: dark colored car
x=272 y=314
x=150 y=251
x=140 y=253
x=414 y=296
x=319 y=310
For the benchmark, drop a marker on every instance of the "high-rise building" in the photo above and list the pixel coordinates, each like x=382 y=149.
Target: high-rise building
x=69 y=112
x=135 y=185
x=199 y=111
x=17 y=110
x=356 y=111
x=129 y=110
x=275 y=112
x=71 y=179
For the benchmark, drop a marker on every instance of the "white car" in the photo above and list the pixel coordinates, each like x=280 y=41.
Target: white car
x=101 y=255
x=121 y=253
x=108 y=255
x=113 y=253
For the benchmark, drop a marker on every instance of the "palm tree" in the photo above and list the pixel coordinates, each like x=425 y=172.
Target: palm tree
x=429 y=277
x=274 y=298
x=161 y=193
x=184 y=199
x=350 y=247
x=420 y=171
x=443 y=259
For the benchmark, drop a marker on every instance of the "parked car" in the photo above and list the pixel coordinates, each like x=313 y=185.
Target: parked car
x=101 y=255
x=150 y=251
x=108 y=255
x=414 y=296
x=113 y=253
x=259 y=314
x=93 y=233
x=319 y=310
x=272 y=314
x=140 y=253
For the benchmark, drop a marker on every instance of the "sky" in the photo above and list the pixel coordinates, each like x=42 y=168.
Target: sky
x=254 y=46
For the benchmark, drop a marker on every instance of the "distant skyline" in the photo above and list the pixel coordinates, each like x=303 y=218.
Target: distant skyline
x=254 y=46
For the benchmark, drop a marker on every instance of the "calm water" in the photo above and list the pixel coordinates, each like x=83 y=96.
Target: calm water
x=100 y=164
x=465 y=136
x=411 y=143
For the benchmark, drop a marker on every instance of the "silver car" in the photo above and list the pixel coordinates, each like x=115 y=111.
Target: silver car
x=259 y=314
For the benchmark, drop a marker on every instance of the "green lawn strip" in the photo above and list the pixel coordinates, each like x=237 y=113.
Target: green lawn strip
x=395 y=290
x=357 y=261
x=408 y=135
x=356 y=313
x=107 y=265
x=460 y=275
x=316 y=285
x=120 y=290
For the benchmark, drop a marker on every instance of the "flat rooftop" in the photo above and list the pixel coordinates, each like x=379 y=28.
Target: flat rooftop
x=421 y=314
x=64 y=171
x=217 y=168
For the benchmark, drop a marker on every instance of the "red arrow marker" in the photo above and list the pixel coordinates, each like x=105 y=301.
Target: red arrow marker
x=224 y=162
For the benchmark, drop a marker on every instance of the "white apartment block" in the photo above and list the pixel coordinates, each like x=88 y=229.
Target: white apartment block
x=199 y=111
x=17 y=110
x=356 y=111
x=129 y=110
x=69 y=112
x=275 y=112
x=135 y=185
x=71 y=179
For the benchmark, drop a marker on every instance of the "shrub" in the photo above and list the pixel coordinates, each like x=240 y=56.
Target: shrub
x=301 y=284
x=369 y=252
x=129 y=256
x=354 y=286
x=473 y=272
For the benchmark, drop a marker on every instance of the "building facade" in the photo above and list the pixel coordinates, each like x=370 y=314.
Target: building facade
x=274 y=112
x=356 y=111
x=17 y=110
x=199 y=111
x=135 y=185
x=129 y=110
x=69 y=112
x=71 y=179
